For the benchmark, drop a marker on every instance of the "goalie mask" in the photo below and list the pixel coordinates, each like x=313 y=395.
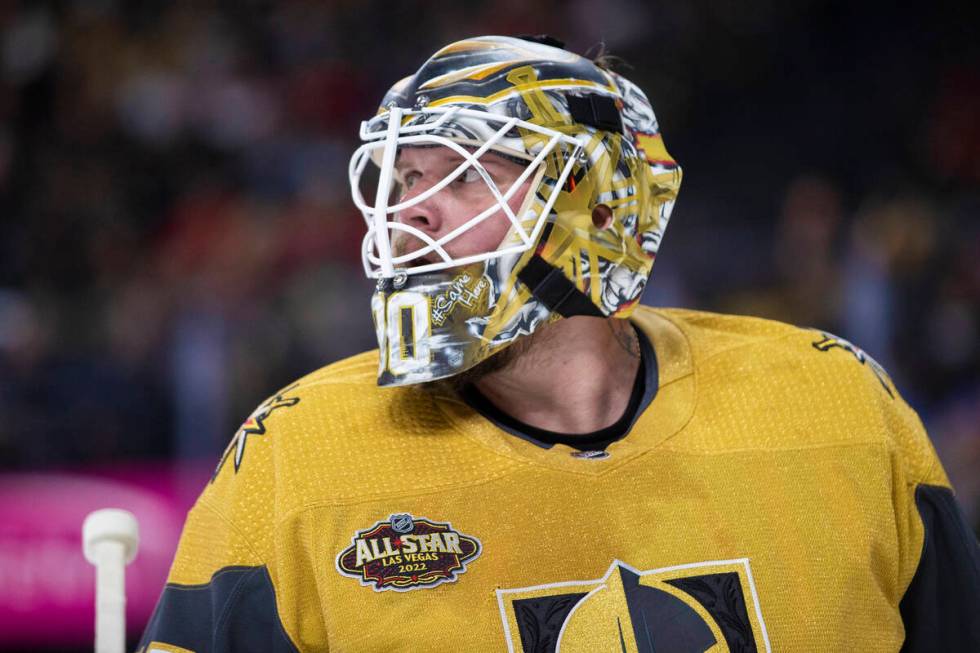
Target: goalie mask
x=478 y=178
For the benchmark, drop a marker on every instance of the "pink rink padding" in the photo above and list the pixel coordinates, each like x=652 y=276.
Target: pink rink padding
x=47 y=588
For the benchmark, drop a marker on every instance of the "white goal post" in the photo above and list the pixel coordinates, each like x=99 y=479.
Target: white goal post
x=110 y=539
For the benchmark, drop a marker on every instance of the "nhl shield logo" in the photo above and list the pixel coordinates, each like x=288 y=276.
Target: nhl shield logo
x=405 y=553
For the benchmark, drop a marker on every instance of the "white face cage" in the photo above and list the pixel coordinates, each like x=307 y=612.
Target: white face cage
x=419 y=127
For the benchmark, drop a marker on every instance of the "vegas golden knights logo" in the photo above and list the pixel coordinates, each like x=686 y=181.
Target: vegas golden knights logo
x=254 y=426
x=703 y=607
x=830 y=341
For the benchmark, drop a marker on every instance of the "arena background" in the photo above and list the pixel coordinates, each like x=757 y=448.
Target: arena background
x=177 y=242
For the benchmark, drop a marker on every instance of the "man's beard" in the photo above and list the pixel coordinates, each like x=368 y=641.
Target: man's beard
x=509 y=357
x=403 y=244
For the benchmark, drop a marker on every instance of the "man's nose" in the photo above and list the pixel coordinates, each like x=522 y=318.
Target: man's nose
x=423 y=215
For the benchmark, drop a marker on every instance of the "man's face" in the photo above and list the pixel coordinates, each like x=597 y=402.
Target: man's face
x=420 y=168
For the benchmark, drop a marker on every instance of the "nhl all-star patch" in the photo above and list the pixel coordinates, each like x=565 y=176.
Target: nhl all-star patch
x=405 y=553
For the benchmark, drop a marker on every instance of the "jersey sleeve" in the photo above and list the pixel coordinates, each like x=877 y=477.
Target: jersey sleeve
x=219 y=596
x=226 y=591
x=940 y=551
x=938 y=581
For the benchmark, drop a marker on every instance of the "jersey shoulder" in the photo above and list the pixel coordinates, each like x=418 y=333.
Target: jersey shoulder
x=757 y=377
x=274 y=418
x=360 y=369
x=334 y=437
x=767 y=352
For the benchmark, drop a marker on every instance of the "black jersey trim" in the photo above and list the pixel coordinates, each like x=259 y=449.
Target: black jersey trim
x=939 y=608
x=234 y=612
x=645 y=387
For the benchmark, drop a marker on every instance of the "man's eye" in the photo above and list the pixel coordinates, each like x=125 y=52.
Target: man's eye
x=469 y=176
x=408 y=180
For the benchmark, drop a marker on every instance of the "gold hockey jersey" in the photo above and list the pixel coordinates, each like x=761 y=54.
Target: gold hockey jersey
x=769 y=498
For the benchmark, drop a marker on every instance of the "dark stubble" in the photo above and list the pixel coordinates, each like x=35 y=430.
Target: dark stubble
x=515 y=354
x=521 y=353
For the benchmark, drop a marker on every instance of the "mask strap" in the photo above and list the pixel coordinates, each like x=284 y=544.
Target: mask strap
x=597 y=111
x=551 y=287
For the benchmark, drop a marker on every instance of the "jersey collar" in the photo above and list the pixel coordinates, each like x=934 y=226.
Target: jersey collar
x=670 y=410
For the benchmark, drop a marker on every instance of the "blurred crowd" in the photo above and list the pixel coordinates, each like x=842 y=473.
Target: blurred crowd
x=177 y=239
